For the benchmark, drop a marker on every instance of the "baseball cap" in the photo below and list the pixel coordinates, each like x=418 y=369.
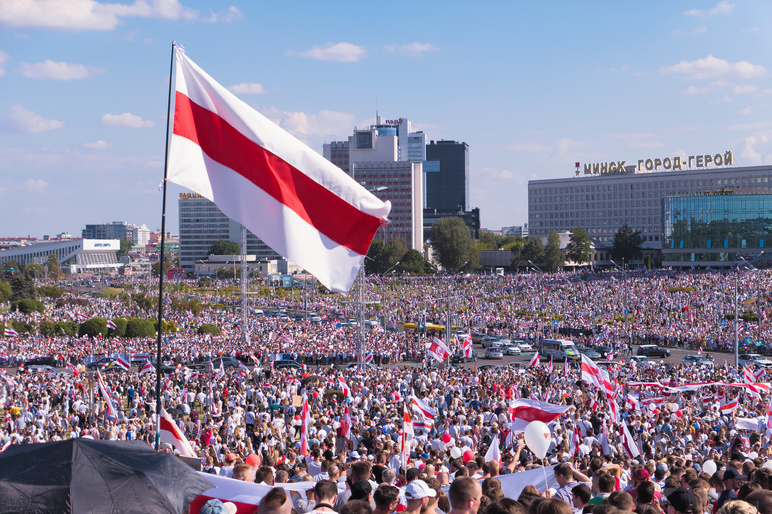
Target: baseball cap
x=360 y=490
x=418 y=489
x=682 y=500
x=641 y=474
x=354 y=455
x=218 y=507
x=230 y=457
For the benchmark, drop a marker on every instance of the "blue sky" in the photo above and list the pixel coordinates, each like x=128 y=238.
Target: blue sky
x=532 y=87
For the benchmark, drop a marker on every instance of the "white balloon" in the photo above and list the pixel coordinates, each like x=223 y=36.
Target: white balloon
x=767 y=464
x=710 y=467
x=455 y=452
x=537 y=437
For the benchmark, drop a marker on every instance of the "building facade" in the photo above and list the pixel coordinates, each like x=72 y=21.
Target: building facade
x=716 y=229
x=602 y=203
x=447 y=184
x=138 y=235
x=79 y=255
x=202 y=223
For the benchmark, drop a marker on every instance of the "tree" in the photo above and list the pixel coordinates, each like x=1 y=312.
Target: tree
x=414 y=262
x=225 y=247
x=381 y=257
x=22 y=286
x=125 y=249
x=12 y=266
x=5 y=291
x=627 y=245
x=579 y=249
x=452 y=242
x=54 y=270
x=93 y=327
x=553 y=255
x=533 y=251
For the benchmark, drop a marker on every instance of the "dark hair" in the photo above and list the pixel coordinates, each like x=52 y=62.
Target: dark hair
x=461 y=491
x=505 y=506
x=384 y=495
x=582 y=492
x=272 y=501
x=646 y=491
x=325 y=490
x=356 y=507
x=621 y=500
x=606 y=482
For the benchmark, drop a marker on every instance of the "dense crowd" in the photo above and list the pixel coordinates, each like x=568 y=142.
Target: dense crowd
x=698 y=436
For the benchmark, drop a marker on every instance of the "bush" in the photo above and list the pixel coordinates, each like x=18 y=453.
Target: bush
x=120 y=328
x=93 y=327
x=28 y=306
x=69 y=328
x=204 y=282
x=168 y=326
x=22 y=328
x=208 y=328
x=50 y=291
x=138 y=327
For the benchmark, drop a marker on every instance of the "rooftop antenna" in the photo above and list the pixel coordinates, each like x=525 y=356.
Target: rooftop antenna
x=377 y=116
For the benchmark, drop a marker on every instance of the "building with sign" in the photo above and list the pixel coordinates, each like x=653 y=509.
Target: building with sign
x=604 y=201
x=715 y=229
x=76 y=255
x=138 y=235
x=202 y=223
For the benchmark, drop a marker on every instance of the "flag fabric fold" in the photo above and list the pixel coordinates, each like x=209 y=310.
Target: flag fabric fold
x=535 y=410
x=299 y=203
x=170 y=433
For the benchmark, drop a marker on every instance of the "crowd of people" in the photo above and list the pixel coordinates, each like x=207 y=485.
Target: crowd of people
x=410 y=433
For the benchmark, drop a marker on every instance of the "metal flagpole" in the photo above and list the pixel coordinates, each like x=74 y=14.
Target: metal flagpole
x=158 y=368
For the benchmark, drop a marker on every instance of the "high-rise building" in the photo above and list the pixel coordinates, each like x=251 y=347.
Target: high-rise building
x=447 y=185
x=202 y=223
x=135 y=234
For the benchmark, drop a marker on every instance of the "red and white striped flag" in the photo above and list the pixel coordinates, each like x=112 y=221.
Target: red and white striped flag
x=303 y=206
x=468 y=346
x=699 y=350
x=82 y=317
x=345 y=426
x=566 y=368
x=171 y=434
x=422 y=407
x=768 y=420
x=729 y=407
x=438 y=350
x=110 y=324
x=408 y=433
x=368 y=357
x=304 y=422
x=576 y=441
x=549 y=366
x=122 y=363
x=147 y=367
x=110 y=411
x=534 y=410
x=71 y=367
x=628 y=443
x=9 y=332
x=610 y=356
x=422 y=425
x=534 y=360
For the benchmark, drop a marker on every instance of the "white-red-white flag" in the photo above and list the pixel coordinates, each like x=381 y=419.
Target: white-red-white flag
x=304 y=422
x=345 y=425
x=302 y=205
x=111 y=324
x=576 y=441
x=699 y=350
x=534 y=410
x=494 y=452
x=549 y=366
x=122 y=363
x=468 y=346
x=408 y=433
x=110 y=411
x=729 y=407
x=170 y=433
x=534 y=360
x=628 y=443
x=9 y=332
x=438 y=350
x=147 y=367
x=422 y=407
x=71 y=367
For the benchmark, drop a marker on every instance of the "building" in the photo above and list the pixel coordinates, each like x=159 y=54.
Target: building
x=76 y=256
x=137 y=235
x=447 y=183
x=609 y=195
x=400 y=182
x=517 y=231
x=470 y=218
x=202 y=223
x=715 y=229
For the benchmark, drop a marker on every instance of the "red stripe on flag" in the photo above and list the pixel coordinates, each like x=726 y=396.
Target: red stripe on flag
x=319 y=207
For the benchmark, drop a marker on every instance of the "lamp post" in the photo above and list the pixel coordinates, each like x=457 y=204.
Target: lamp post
x=448 y=324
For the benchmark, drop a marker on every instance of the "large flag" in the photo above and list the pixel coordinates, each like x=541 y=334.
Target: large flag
x=549 y=366
x=729 y=407
x=345 y=426
x=120 y=361
x=438 y=350
x=421 y=406
x=408 y=433
x=303 y=206
x=111 y=324
x=110 y=413
x=170 y=433
x=534 y=410
x=631 y=449
x=590 y=372
x=9 y=332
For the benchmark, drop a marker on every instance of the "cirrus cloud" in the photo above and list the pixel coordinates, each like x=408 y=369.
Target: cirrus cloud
x=723 y=7
x=35 y=184
x=414 y=49
x=125 y=120
x=712 y=67
x=341 y=52
x=49 y=69
x=98 y=145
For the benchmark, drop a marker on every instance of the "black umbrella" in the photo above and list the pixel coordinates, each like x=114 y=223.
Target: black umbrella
x=87 y=475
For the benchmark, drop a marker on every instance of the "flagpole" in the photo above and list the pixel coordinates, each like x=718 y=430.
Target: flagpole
x=161 y=262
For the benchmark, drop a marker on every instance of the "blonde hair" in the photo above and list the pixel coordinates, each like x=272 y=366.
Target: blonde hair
x=737 y=507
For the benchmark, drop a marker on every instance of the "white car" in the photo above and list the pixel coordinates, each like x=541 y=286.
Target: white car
x=523 y=345
x=510 y=349
x=750 y=359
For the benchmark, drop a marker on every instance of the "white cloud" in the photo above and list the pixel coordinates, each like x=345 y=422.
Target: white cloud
x=98 y=145
x=231 y=15
x=723 y=7
x=35 y=184
x=58 y=70
x=125 y=120
x=749 y=152
x=247 y=88
x=414 y=49
x=93 y=15
x=712 y=68
x=495 y=175
x=565 y=145
x=3 y=59
x=745 y=112
x=694 y=90
x=17 y=118
x=744 y=89
x=342 y=52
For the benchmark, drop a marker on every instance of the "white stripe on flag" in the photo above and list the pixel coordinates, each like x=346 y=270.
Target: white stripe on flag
x=303 y=206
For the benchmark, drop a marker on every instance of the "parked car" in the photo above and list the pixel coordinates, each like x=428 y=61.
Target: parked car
x=698 y=360
x=41 y=361
x=652 y=350
x=589 y=352
x=458 y=358
x=287 y=364
x=99 y=363
x=751 y=359
x=43 y=369
x=489 y=367
x=603 y=351
x=494 y=353
x=488 y=341
x=640 y=360
x=477 y=337
x=524 y=346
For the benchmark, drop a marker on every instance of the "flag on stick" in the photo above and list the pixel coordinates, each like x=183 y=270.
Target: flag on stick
x=303 y=206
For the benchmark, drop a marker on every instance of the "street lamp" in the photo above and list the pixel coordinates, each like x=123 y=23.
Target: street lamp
x=448 y=325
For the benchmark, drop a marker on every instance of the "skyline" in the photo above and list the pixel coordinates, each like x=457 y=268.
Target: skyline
x=531 y=89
